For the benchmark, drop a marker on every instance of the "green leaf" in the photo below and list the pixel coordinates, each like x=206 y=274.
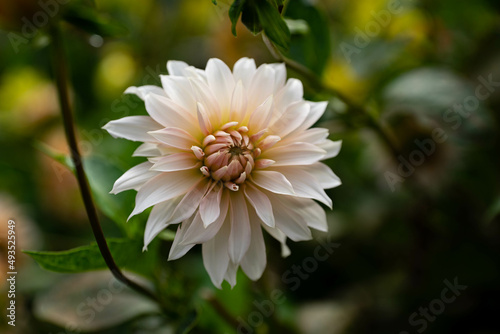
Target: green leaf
x=91 y=21
x=250 y=18
x=273 y=24
x=87 y=258
x=312 y=47
x=278 y=4
x=235 y=12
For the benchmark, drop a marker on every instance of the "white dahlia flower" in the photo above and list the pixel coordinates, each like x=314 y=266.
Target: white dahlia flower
x=229 y=153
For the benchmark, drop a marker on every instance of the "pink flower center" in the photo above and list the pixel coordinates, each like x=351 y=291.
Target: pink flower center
x=229 y=155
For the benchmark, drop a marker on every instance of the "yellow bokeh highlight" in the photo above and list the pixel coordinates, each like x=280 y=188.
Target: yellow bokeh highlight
x=360 y=12
x=26 y=98
x=341 y=76
x=116 y=71
x=411 y=24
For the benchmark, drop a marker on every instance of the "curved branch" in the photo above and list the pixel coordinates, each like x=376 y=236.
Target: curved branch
x=61 y=77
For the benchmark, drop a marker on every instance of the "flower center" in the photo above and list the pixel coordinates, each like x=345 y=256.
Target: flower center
x=228 y=155
x=236 y=150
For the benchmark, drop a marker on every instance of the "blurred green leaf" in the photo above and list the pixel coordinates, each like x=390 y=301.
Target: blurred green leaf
x=91 y=21
x=250 y=18
x=312 y=47
x=234 y=13
x=258 y=15
x=273 y=24
x=86 y=258
x=278 y=3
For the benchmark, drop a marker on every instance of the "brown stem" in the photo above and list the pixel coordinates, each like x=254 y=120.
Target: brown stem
x=61 y=77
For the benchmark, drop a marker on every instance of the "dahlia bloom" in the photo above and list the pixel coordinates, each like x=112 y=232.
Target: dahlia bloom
x=229 y=154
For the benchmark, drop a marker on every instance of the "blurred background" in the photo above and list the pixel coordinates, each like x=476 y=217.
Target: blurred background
x=416 y=222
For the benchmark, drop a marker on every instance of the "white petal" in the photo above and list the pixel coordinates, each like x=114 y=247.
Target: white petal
x=290 y=120
x=142 y=91
x=316 y=111
x=221 y=82
x=272 y=181
x=244 y=70
x=280 y=75
x=230 y=275
x=239 y=238
x=157 y=220
x=304 y=185
x=215 y=255
x=311 y=136
x=261 y=204
x=204 y=96
x=163 y=187
x=170 y=114
x=295 y=154
x=203 y=119
x=210 y=206
x=308 y=211
x=179 y=90
x=147 y=150
x=133 y=128
x=261 y=86
x=238 y=103
x=292 y=92
x=260 y=117
x=198 y=233
x=323 y=174
x=195 y=73
x=175 y=162
x=179 y=250
x=332 y=148
x=134 y=178
x=316 y=217
x=175 y=137
x=254 y=262
x=176 y=67
x=190 y=202
x=288 y=218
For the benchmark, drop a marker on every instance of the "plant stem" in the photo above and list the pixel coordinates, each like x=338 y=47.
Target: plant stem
x=317 y=83
x=61 y=77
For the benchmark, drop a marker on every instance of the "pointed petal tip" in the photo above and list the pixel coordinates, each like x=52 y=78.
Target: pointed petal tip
x=134 y=212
